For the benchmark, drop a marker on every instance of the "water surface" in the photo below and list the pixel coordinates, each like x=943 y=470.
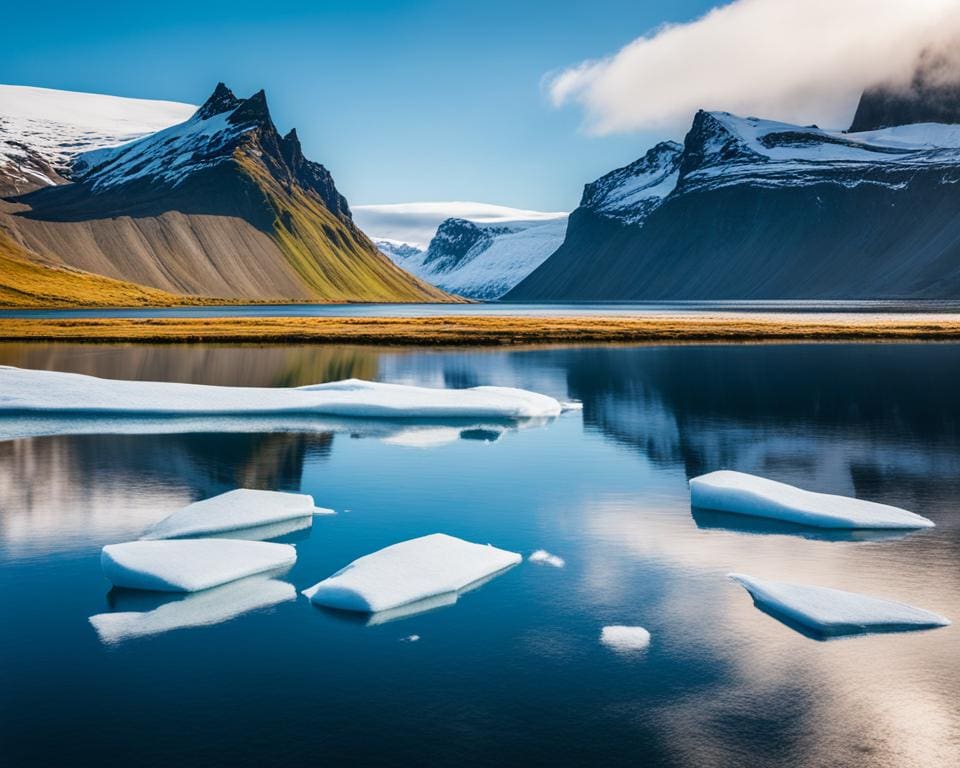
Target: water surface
x=514 y=672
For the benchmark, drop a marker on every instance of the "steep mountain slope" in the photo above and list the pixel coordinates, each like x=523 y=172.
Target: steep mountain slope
x=219 y=205
x=485 y=260
x=755 y=209
x=25 y=282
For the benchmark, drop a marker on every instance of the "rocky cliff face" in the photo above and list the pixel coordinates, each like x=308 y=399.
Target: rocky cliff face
x=756 y=209
x=219 y=205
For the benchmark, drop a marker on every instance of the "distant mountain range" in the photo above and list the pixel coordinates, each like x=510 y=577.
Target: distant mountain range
x=480 y=260
x=748 y=208
x=212 y=202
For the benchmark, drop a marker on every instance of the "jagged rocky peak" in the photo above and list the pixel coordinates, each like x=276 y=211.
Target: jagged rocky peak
x=453 y=240
x=712 y=141
x=931 y=95
x=630 y=193
x=252 y=111
x=221 y=100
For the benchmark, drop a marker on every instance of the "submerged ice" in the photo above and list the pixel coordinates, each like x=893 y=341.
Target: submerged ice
x=189 y=565
x=830 y=612
x=236 y=510
x=745 y=494
x=35 y=392
x=430 y=569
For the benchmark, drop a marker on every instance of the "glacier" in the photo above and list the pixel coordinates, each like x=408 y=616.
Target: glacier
x=237 y=510
x=432 y=568
x=190 y=565
x=831 y=612
x=623 y=638
x=33 y=392
x=745 y=494
x=199 y=609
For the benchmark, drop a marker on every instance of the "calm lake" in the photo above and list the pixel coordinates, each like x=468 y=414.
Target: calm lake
x=514 y=672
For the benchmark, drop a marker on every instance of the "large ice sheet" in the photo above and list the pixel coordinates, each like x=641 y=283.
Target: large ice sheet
x=417 y=570
x=212 y=606
x=243 y=508
x=189 y=565
x=830 y=612
x=25 y=391
x=745 y=494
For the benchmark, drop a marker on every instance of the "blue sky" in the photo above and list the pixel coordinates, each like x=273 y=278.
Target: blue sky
x=403 y=100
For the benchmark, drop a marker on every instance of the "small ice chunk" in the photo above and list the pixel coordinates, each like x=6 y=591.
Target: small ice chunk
x=829 y=612
x=410 y=639
x=409 y=572
x=47 y=392
x=542 y=557
x=744 y=494
x=212 y=606
x=189 y=565
x=622 y=638
x=234 y=511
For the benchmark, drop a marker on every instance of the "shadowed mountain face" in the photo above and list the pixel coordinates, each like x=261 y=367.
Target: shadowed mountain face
x=931 y=96
x=221 y=205
x=756 y=209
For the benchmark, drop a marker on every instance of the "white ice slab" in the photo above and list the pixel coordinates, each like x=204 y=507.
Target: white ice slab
x=622 y=638
x=829 y=611
x=34 y=392
x=745 y=494
x=189 y=565
x=212 y=606
x=409 y=572
x=542 y=557
x=235 y=510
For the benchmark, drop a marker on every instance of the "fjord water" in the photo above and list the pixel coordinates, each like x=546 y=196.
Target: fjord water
x=513 y=672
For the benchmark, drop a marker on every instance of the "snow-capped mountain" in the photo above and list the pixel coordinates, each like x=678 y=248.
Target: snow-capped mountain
x=42 y=130
x=759 y=209
x=483 y=260
x=219 y=204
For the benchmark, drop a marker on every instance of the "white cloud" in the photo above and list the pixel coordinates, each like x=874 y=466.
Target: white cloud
x=803 y=61
x=416 y=223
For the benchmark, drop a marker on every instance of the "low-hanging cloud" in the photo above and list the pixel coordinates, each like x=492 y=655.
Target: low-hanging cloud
x=803 y=61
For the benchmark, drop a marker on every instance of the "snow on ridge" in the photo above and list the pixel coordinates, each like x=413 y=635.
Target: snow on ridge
x=58 y=125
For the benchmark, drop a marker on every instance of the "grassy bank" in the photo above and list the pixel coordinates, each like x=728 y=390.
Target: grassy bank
x=469 y=330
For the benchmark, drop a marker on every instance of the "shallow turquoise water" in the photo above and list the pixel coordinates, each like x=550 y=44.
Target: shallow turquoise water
x=514 y=672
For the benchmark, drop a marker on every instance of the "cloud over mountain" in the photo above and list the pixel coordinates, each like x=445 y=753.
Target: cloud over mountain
x=795 y=60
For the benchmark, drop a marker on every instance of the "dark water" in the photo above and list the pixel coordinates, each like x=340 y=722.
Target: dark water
x=573 y=309
x=514 y=673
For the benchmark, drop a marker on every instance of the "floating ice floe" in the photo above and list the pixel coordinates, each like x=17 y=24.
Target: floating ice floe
x=212 y=606
x=622 y=638
x=420 y=573
x=45 y=392
x=830 y=612
x=189 y=565
x=542 y=557
x=236 y=510
x=745 y=494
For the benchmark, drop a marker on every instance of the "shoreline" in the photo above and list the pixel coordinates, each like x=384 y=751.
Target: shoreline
x=471 y=330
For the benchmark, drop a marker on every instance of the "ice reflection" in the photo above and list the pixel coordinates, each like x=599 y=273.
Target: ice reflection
x=199 y=609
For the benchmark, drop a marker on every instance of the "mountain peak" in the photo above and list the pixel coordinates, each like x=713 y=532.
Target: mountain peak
x=252 y=110
x=221 y=100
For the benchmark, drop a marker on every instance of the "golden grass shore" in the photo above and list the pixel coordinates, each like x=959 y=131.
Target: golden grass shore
x=479 y=330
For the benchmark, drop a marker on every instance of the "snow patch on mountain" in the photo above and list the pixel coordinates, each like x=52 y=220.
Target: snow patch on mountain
x=630 y=193
x=42 y=130
x=398 y=251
